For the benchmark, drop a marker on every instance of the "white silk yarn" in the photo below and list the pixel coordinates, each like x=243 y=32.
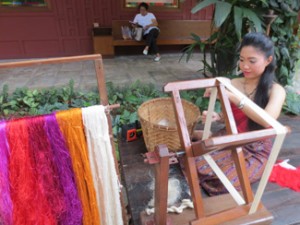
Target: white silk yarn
x=102 y=164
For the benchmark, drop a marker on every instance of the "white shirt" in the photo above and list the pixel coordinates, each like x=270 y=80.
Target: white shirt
x=144 y=21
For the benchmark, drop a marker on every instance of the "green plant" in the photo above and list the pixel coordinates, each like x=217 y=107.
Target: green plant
x=130 y=98
x=292 y=102
x=233 y=19
x=24 y=102
x=283 y=35
x=35 y=102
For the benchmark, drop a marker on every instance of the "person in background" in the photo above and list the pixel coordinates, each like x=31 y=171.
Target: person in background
x=150 y=26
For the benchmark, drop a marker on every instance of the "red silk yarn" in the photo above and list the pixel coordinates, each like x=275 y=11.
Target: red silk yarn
x=30 y=205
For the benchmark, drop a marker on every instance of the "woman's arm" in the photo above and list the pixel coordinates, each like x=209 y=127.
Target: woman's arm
x=273 y=108
x=152 y=24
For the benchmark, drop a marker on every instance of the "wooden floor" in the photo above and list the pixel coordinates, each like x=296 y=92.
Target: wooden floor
x=283 y=203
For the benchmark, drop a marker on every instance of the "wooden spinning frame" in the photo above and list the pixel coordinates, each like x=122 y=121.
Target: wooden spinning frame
x=232 y=208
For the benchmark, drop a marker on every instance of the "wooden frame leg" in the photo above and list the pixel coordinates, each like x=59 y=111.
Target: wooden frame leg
x=161 y=185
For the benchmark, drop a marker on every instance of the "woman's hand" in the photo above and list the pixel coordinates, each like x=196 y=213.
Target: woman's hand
x=147 y=27
x=215 y=117
x=207 y=92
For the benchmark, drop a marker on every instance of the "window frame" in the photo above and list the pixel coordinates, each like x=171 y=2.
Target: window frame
x=21 y=8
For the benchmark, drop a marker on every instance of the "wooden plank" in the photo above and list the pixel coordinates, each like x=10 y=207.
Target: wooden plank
x=257 y=110
x=104 y=101
x=211 y=107
x=171 y=28
x=103 y=45
x=236 y=216
x=280 y=131
x=189 y=159
x=236 y=140
x=190 y=84
x=210 y=161
x=160 y=41
x=161 y=185
x=214 y=209
x=59 y=60
x=283 y=203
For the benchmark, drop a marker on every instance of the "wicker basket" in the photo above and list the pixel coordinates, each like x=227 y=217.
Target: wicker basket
x=159 y=124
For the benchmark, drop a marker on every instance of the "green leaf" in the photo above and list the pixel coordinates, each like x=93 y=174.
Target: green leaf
x=278 y=20
x=132 y=98
x=222 y=11
x=133 y=117
x=284 y=71
x=251 y=15
x=196 y=37
x=238 y=21
x=35 y=92
x=285 y=52
x=202 y=5
x=198 y=101
x=6 y=112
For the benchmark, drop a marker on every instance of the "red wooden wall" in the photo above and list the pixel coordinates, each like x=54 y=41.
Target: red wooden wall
x=66 y=28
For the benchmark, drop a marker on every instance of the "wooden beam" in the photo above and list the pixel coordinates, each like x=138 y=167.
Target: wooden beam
x=190 y=164
x=230 y=141
x=210 y=161
x=190 y=85
x=161 y=185
x=280 y=135
x=229 y=216
x=37 y=62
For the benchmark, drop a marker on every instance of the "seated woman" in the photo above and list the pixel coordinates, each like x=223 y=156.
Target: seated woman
x=257 y=63
x=150 y=30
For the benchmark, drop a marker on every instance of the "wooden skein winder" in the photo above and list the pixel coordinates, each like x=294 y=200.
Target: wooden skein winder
x=232 y=208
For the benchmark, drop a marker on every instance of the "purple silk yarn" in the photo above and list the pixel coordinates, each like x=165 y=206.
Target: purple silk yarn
x=73 y=214
x=6 y=205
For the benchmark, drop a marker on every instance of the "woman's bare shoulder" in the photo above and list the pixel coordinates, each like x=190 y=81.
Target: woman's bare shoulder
x=277 y=89
x=237 y=81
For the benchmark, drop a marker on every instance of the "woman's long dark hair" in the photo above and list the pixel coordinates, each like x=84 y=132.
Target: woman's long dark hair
x=264 y=45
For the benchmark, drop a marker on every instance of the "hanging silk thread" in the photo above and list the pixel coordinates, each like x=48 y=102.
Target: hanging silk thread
x=62 y=160
x=102 y=163
x=71 y=126
x=46 y=170
x=5 y=199
x=30 y=206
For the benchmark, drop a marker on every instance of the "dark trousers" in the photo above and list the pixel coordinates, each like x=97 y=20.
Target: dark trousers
x=151 y=40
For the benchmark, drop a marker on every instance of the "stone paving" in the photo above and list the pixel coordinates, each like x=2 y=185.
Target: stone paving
x=120 y=70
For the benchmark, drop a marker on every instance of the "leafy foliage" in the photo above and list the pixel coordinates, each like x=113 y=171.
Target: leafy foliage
x=233 y=19
x=292 y=102
x=23 y=101
x=283 y=35
x=129 y=98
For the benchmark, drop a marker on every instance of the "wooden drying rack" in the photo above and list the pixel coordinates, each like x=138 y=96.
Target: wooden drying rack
x=101 y=88
x=232 y=208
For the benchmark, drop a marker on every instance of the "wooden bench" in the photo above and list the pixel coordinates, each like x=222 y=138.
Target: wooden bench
x=172 y=32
